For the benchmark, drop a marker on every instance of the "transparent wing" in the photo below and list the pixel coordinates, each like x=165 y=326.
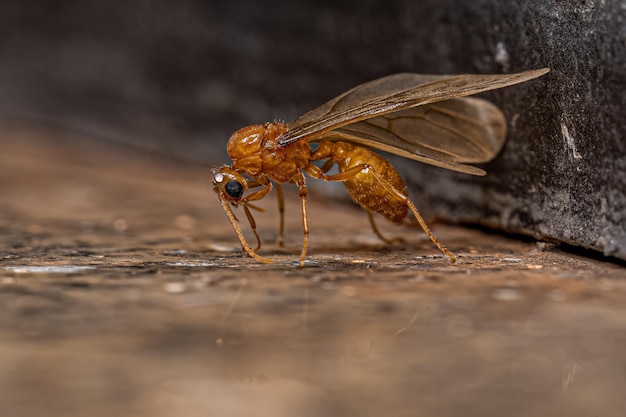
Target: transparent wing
x=446 y=134
x=390 y=104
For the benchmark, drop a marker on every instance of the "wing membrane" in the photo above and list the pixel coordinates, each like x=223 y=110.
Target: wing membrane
x=386 y=114
x=445 y=134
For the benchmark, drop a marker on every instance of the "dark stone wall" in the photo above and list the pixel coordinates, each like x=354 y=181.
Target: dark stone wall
x=562 y=173
x=179 y=77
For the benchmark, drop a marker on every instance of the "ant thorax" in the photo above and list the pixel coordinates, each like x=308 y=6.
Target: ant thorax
x=256 y=152
x=252 y=140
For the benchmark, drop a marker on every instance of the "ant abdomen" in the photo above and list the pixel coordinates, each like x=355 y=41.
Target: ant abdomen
x=376 y=186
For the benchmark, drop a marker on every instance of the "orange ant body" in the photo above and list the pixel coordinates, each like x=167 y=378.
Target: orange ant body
x=422 y=117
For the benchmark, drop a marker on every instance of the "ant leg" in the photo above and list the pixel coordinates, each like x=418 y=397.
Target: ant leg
x=370 y=216
x=301 y=182
x=257 y=195
x=422 y=223
x=242 y=239
x=252 y=222
x=281 y=211
x=365 y=168
x=318 y=173
x=416 y=213
x=327 y=165
x=281 y=208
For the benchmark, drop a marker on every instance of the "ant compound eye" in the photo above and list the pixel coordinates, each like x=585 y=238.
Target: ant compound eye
x=234 y=189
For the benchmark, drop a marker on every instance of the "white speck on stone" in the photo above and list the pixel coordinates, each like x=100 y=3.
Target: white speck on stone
x=569 y=142
x=502 y=56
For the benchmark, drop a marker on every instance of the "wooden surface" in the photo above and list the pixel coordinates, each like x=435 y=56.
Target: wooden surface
x=123 y=292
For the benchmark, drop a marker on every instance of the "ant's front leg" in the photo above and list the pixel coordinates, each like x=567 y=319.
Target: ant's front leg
x=242 y=239
x=230 y=188
x=281 y=207
x=257 y=195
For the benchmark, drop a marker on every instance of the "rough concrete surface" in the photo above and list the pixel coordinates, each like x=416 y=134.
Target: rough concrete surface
x=123 y=291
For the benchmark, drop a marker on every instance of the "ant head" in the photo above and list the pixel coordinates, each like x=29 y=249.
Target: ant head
x=229 y=184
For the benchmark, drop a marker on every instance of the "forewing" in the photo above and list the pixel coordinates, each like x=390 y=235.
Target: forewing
x=445 y=134
x=392 y=94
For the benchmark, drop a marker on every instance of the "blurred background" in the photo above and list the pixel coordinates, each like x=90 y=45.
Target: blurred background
x=182 y=76
x=177 y=78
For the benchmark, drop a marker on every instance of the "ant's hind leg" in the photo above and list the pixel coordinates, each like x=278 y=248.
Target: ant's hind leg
x=352 y=172
x=416 y=213
x=370 y=216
